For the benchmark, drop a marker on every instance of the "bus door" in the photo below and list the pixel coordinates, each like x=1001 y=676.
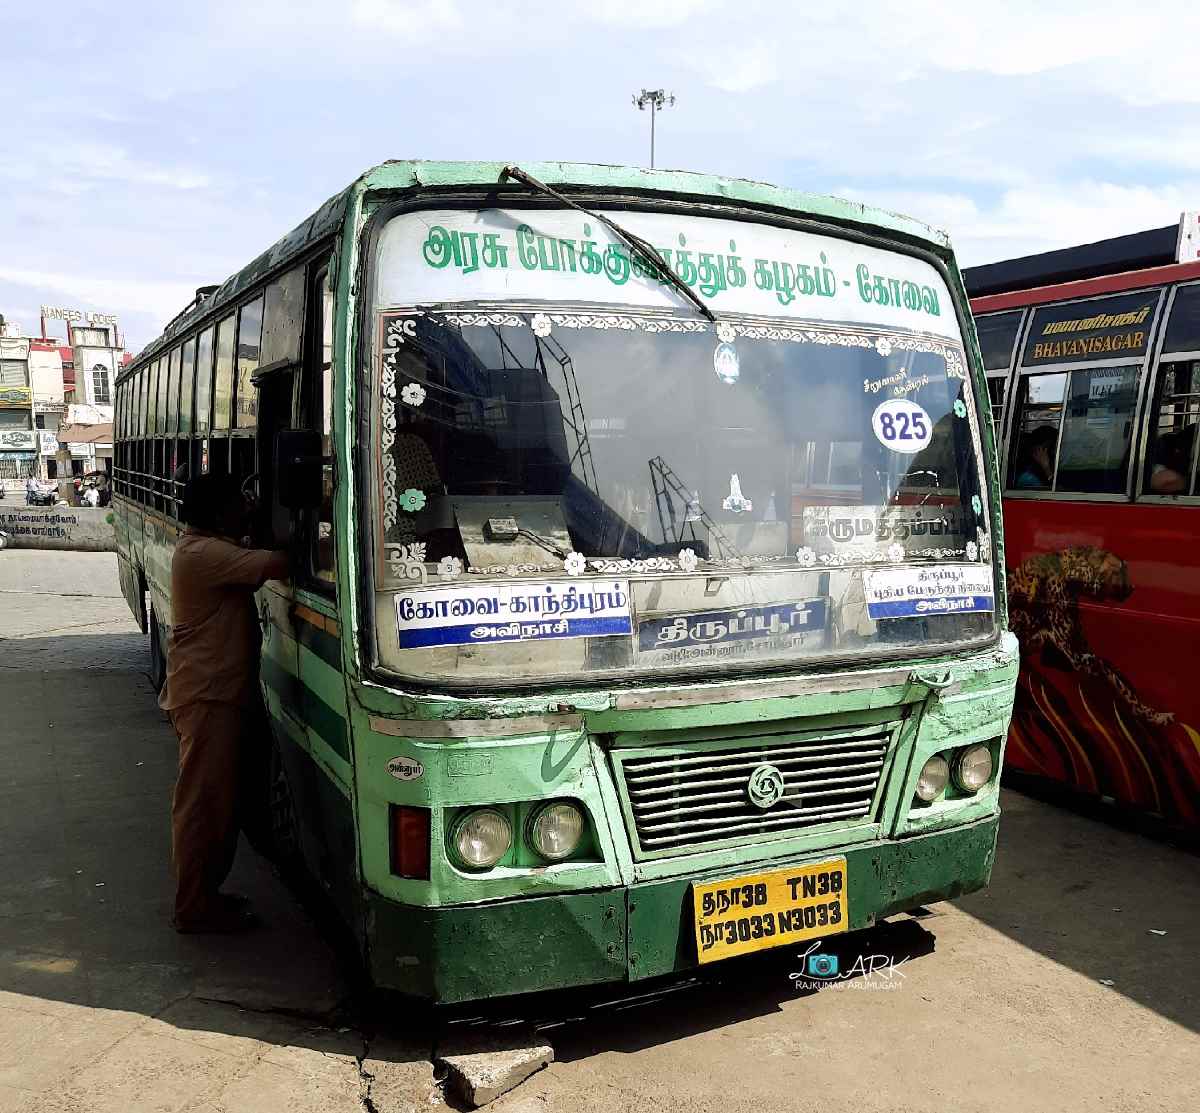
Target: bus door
x=326 y=783
x=317 y=628
x=276 y=391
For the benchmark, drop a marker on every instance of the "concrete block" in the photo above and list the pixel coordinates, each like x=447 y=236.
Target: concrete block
x=481 y=1067
x=59 y=527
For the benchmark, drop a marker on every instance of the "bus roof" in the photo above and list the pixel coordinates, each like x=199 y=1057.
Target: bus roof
x=1135 y=251
x=410 y=175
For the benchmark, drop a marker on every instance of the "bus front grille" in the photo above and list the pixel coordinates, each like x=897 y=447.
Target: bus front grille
x=682 y=798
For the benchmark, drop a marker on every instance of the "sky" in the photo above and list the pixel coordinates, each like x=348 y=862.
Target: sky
x=152 y=148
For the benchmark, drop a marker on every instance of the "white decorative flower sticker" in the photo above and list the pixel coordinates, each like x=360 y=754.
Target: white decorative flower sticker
x=895 y=552
x=413 y=394
x=972 y=551
x=688 y=560
x=806 y=557
x=412 y=500
x=883 y=346
x=540 y=324
x=977 y=504
x=449 y=568
x=726 y=332
x=575 y=564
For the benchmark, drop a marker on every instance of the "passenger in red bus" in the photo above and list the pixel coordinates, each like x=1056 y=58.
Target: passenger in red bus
x=1036 y=465
x=1172 y=462
x=212 y=682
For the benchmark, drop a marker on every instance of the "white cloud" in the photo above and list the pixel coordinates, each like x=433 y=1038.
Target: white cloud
x=741 y=69
x=413 y=18
x=72 y=167
x=159 y=300
x=645 y=14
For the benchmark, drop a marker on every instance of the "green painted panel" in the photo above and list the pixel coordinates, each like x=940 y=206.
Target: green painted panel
x=304 y=704
x=522 y=946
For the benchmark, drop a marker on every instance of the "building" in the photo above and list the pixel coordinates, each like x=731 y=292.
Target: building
x=56 y=399
x=18 y=434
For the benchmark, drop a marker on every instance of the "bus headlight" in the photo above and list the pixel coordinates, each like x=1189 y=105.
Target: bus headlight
x=934 y=775
x=481 y=838
x=556 y=830
x=973 y=768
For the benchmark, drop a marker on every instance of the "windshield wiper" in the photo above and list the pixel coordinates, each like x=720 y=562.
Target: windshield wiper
x=634 y=242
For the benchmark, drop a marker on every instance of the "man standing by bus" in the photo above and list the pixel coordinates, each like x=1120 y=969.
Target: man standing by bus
x=212 y=680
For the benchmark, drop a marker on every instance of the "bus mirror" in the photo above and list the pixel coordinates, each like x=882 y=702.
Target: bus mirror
x=298 y=462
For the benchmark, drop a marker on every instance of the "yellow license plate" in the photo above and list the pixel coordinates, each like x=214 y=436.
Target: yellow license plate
x=773 y=909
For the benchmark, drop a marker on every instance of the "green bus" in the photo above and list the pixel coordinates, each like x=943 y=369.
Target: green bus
x=647 y=607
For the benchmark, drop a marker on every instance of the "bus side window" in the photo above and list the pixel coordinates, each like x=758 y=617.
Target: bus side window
x=1074 y=430
x=997 y=334
x=1171 y=451
x=1172 y=446
x=223 y=377
x=1039 y=409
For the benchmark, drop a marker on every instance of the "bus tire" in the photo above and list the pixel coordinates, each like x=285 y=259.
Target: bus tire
x=158 y=658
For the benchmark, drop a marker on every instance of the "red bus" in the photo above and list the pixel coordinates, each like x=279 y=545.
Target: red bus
x=1093 y=359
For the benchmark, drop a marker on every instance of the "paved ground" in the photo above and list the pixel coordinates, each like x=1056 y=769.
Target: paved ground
x=1001 y=1003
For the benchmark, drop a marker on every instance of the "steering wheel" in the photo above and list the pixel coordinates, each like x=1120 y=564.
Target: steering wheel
x=250 y=488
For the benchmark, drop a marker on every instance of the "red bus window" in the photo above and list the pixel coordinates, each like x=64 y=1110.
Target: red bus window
x=1074 y=430
x=1171 y=452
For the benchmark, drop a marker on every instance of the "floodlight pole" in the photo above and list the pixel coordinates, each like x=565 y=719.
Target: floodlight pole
x=656 y=100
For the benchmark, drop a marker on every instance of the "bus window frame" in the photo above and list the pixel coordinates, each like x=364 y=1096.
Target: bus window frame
x=1137 y=441
x=1144 y=429
x=1000 y=430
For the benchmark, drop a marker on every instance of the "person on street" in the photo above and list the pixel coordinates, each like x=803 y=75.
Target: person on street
x=212 y=681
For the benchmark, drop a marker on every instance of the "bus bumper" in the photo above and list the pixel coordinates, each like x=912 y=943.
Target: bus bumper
x=471 y=952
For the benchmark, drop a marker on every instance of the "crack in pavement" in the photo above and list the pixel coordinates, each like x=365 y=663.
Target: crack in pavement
x=365 y=1079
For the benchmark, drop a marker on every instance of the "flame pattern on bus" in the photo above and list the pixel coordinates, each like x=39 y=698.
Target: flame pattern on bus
x=1078 y=719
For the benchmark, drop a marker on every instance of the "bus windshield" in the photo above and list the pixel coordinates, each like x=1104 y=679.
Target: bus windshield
x=568 y=487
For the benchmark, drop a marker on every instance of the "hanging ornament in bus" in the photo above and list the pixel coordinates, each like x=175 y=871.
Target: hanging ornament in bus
x=735 y=502
x=412 y=500
x=728 y=367
x=412 y=394
x=902 y=425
